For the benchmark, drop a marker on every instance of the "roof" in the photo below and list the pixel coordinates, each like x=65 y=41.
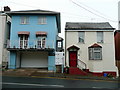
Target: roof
x=88 y=26
x=59 y=38
x=117 y=31
x=38 y=12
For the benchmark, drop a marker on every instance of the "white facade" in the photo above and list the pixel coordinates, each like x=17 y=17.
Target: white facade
x=108 y=54
x=3 y=37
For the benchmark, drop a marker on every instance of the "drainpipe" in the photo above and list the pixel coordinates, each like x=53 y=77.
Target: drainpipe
x=65 y=48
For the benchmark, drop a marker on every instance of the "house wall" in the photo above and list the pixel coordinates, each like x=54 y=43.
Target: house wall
x=119 y=15
x=33 y=27
x=51 y=63
x=108 y=54
x=117 y=50
x=117 y=46
x=1 y=39
x=4 y=35
x=12 y=60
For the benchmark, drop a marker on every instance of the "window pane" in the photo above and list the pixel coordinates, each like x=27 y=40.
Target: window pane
x=59 y=44
x=81 y=36
x=24 y=20
x=90 y=54
x=100 y=37
x=42 y=20
x=41 y=40
x=23 y=41
x=95 y=53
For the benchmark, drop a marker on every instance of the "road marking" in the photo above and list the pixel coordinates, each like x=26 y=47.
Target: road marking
x=33 y=84
x=103 y=88
x=96 y=87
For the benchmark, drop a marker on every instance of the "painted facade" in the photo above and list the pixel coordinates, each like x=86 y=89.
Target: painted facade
x=119 y=15
x=33 y=39
x=117 y=48
x=105 y=64
x=4 y=32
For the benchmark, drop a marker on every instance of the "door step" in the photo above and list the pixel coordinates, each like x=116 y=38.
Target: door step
x=76 y=71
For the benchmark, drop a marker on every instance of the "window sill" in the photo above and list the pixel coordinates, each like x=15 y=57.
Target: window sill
x=24 y=24
x=42 y=23
x=95 y=59
x=100 y=42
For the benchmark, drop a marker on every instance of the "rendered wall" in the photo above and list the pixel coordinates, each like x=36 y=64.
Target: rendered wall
x=119 y=15
x=108 y=51
x=51 y=63
x=12 y=61
x=33 y=27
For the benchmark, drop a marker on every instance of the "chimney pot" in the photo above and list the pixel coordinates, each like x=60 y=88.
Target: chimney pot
x=6 y=8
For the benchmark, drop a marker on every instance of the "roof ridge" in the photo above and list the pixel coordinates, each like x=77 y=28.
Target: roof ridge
x=88 y=25
x=87 y=22
x=36 y=10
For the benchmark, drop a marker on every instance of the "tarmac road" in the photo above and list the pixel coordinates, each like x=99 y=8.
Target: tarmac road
x=34 y=82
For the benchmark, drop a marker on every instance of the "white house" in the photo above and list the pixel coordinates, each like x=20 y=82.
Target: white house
x=90 y=47
x=4 y=35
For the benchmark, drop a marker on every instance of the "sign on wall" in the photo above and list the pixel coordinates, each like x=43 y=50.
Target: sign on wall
x=59 y=58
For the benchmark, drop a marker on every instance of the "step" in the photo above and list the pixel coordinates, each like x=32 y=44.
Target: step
x=76 y=71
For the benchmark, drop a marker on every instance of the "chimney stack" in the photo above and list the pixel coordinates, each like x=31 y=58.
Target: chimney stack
x=6 y=8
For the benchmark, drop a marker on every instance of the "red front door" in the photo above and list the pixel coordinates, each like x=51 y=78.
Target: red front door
x=73 y=58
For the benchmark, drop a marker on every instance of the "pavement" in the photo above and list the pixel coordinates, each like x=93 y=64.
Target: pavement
x=41 y=73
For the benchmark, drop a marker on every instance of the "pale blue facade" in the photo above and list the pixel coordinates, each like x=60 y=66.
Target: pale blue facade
x=52 y=28
x=12 y=62
x=33 y=27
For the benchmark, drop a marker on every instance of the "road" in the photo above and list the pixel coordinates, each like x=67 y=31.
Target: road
x=34 y=82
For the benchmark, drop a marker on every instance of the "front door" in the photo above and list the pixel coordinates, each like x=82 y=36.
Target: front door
x=73 y=58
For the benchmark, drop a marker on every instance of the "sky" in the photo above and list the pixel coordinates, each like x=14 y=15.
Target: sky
x=71 y=10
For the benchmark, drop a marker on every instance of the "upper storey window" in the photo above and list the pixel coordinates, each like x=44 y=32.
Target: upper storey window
x=24 y=20
x=81 y=37
x=100 y=37
x=42 y=20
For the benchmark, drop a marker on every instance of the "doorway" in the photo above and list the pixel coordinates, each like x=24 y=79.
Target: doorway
x=73 y=58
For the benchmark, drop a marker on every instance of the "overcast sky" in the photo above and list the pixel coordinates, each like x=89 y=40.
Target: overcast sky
x=71 y=10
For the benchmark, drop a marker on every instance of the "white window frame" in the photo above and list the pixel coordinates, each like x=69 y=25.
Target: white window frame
x=24 y=41
x=24 y=20
x=100 y=37
x=81 y=35
x=92 y=52
x=59 y=44
x=42 y=20
x=40 y=39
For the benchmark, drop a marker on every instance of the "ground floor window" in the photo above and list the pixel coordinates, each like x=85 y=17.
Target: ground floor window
x=95 y=53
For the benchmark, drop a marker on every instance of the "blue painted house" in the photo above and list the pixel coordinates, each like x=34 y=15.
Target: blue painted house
x=33 y=39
